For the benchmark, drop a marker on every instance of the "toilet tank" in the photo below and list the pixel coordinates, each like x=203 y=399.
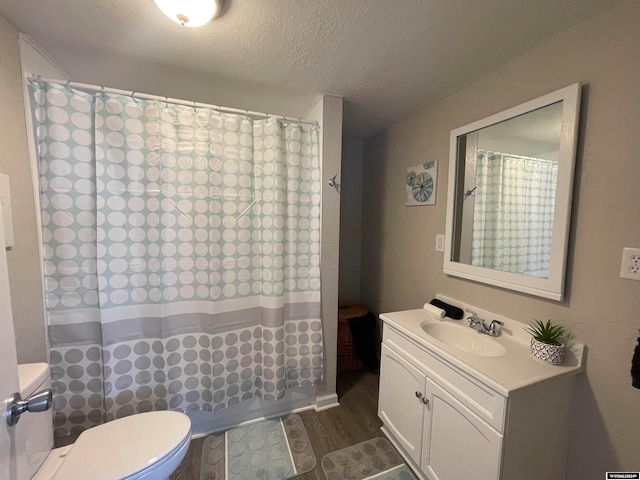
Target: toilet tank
x=35 y=428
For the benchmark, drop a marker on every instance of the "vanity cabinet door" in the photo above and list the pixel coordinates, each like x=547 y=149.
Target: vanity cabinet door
x=457 y=443
x=400 y=406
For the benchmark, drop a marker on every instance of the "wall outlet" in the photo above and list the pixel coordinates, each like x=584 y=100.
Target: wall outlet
x=439 y=243
x=630 y=266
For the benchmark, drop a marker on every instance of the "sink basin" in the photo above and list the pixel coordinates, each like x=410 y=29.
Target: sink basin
x=463 y=338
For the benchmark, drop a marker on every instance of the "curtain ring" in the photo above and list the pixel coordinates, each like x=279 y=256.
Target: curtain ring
x=67 y=88
x=133 y=97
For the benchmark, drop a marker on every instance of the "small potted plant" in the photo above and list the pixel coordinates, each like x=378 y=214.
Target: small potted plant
x=546 y=344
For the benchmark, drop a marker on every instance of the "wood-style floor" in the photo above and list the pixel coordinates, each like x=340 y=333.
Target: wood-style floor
x=354 y=421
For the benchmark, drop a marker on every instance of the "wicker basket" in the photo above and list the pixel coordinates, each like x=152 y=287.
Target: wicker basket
x=347 y=358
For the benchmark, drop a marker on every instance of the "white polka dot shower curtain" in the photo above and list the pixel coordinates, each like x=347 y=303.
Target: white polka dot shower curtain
x=181 y=255
x=513 y=213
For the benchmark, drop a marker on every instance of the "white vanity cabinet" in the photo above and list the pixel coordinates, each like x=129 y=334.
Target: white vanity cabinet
x=400 y=405
x=450 y=422
x=432 y=426
x=457 y=443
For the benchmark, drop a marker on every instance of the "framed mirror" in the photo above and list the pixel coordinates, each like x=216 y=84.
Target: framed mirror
x=509 y=196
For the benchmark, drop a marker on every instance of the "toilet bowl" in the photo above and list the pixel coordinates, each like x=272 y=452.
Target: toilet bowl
x=145 y=446
x=34 y=430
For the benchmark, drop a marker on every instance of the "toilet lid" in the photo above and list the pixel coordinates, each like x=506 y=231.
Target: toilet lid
x=123 y=447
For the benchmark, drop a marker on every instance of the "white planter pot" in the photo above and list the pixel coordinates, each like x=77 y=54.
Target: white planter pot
x=553 y=354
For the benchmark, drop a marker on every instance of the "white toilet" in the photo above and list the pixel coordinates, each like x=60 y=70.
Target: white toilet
x=147 y=446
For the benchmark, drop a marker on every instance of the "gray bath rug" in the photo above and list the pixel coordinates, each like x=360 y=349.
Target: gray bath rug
x=375 y=458
x=270 y=450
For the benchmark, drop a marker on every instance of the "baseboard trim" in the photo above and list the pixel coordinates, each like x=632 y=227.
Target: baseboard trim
x=325 y=402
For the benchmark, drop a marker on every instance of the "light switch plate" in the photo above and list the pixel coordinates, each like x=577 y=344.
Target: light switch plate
x=439 y=243
x=5 y=204
x=630 y=265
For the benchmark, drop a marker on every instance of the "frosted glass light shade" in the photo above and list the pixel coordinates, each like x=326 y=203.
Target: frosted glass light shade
x=190 y=13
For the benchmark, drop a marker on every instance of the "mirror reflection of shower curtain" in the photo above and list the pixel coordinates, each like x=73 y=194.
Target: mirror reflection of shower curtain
x=513 y=213
x=182 y=255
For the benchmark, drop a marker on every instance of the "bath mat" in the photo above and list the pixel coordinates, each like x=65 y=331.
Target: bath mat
x=375 y=458
x=271 y=450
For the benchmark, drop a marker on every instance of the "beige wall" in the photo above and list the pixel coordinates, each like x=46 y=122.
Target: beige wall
x=350 y=185
x=140 y=75
x=400 y=269
x=327 y=111
x=24 y=266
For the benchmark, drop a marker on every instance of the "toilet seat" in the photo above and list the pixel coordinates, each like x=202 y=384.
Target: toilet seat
x=165 y=467
x=128 y=448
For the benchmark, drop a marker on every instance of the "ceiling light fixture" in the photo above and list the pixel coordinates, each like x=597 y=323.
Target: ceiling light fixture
x=190 y=13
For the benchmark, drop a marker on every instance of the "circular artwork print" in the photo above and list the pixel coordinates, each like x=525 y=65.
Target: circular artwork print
x=421 y=184
x=422 y=187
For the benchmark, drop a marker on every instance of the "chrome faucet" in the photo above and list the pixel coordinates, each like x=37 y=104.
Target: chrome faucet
x=477 y=323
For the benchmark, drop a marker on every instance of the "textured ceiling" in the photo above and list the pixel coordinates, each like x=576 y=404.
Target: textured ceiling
x=386 y=58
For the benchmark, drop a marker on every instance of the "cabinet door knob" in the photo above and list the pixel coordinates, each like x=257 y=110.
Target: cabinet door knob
x=419 y=394
x=425 y=401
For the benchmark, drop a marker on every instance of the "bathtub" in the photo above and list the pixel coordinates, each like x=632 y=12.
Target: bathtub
x=251 y=411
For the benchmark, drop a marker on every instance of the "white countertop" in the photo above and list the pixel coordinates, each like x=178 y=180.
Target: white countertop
x=506 y=373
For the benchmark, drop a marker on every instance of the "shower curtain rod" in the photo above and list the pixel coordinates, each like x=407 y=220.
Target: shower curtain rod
x=176 y=101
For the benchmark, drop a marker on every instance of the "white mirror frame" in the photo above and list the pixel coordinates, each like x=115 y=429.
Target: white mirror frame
x=553 y=286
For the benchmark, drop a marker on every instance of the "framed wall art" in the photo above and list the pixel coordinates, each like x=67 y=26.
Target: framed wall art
x=421 y=184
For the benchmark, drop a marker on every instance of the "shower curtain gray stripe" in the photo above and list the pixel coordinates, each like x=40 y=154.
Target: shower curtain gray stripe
x=157 y=327
x=181 y=255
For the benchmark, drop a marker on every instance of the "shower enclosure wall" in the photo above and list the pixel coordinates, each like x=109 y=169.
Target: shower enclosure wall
x=181 y=258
